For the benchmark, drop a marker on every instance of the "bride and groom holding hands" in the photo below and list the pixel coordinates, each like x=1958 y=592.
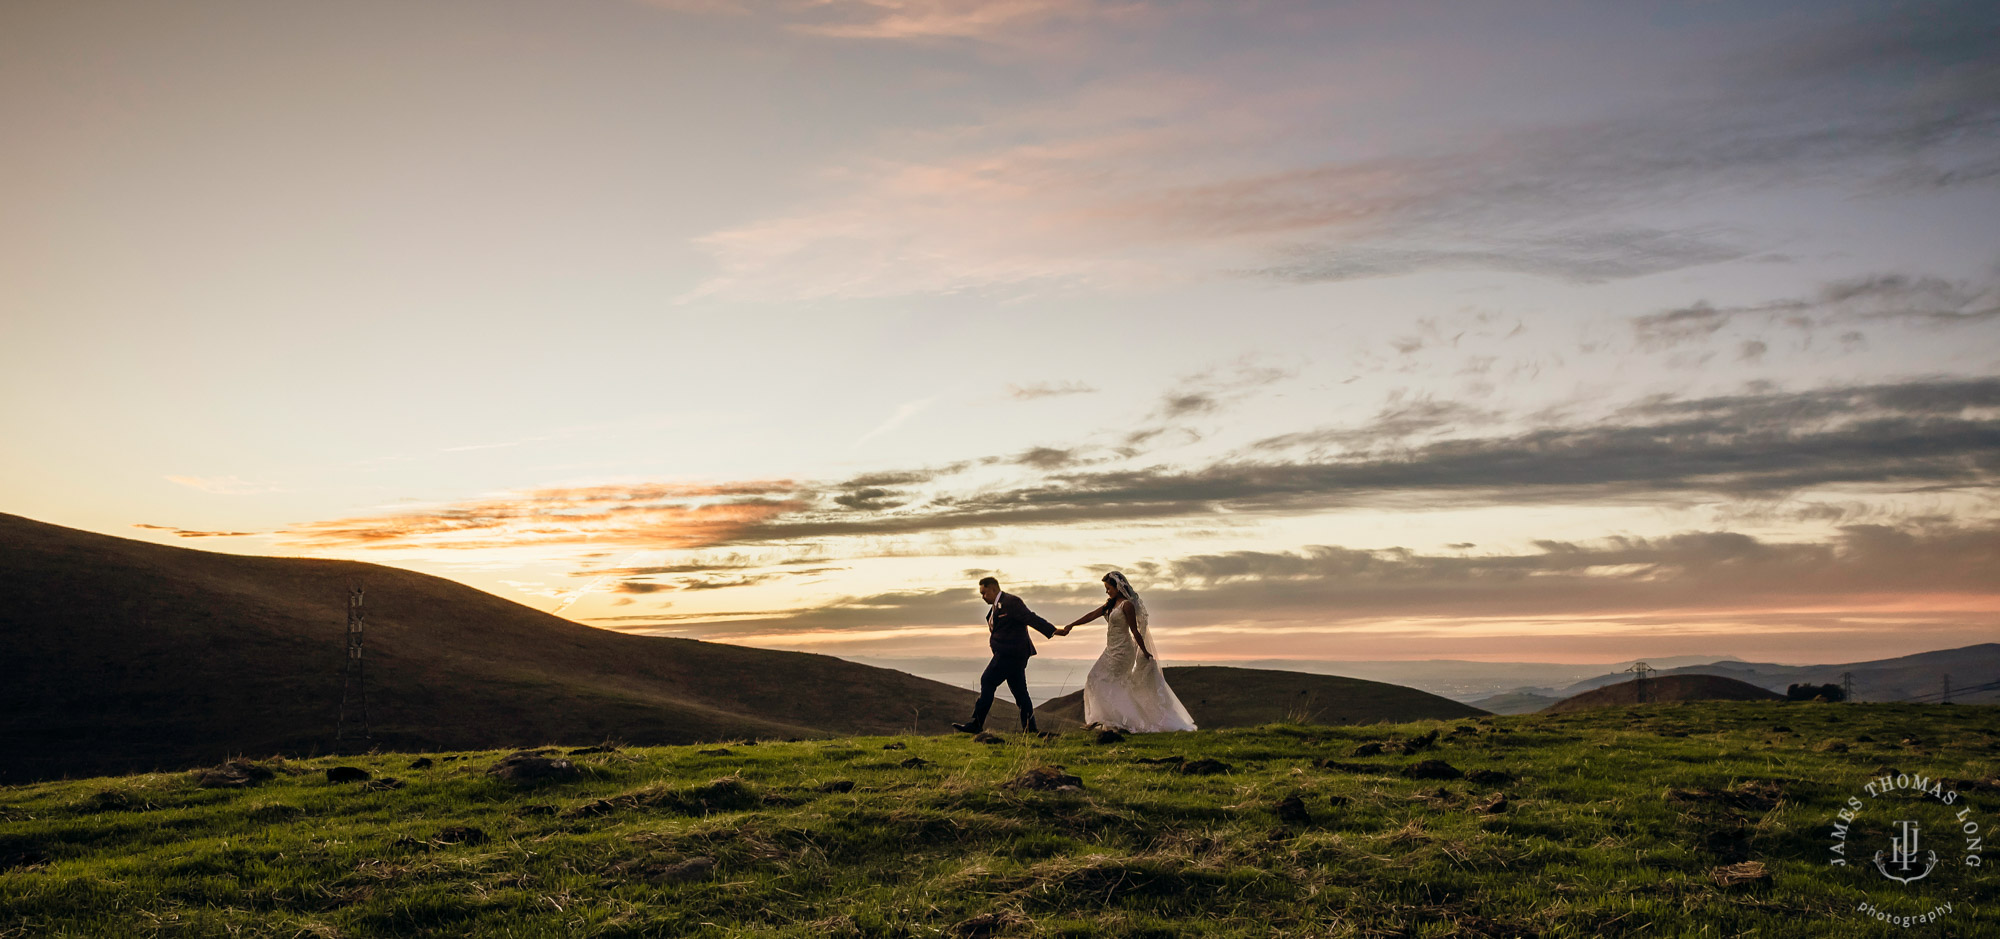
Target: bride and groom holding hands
x=1125 y=689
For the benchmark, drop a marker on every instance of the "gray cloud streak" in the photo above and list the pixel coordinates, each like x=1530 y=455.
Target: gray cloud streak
x=1640 y=576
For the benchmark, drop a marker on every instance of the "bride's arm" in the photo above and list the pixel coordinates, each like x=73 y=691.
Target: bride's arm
x=1093 y=614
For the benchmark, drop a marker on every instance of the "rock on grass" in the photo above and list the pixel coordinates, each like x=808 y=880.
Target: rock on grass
x=339 y=774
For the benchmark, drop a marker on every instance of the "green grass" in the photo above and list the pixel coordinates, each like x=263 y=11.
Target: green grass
x=1588 y=846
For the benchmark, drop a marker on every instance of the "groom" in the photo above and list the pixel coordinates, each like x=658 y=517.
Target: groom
x=1007 y=622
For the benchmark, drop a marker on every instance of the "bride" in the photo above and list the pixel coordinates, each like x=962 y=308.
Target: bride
x=1126 y=688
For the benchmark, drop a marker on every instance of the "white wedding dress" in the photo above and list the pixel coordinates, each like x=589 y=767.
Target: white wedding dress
x=1127 y=690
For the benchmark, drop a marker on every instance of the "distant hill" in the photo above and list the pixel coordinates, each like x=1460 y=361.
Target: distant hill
x=1910 y=676
x=1221 y=696
x=1516 y=702
x=1664 y=688
x=127 y=656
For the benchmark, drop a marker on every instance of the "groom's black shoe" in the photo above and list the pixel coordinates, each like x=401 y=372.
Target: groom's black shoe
x=967 y=728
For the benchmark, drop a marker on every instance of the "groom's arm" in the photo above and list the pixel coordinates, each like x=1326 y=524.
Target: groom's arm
x=1020 y=609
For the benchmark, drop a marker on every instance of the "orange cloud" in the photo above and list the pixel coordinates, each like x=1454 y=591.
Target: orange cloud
x=653 y=515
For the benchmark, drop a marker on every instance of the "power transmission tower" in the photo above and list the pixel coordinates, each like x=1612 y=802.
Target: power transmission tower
x=354 y=682
x=1847 y=686
x=1640 y=670
x=1947 y=689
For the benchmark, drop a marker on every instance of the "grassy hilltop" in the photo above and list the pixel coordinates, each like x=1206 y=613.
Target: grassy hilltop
x=1702 y=819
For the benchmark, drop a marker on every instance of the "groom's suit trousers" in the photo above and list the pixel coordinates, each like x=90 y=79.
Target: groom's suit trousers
x=1011 y=668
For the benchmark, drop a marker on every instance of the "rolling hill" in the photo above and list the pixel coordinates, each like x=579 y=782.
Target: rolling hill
x=1664 y=688
x=1918 y=676
x=1515 y=702
x=1221 y=696
x=128 y=656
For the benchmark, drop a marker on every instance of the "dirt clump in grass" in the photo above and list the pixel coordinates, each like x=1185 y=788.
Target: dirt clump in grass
x=528 y=766
x=1745 y=872
x=1347 y=767
x=1109 y=735
x=1160 y=760
x=113 y=800
x=1292 y=811
x=21 y=854
x=234 y=774
x=422 y=762
x=1045 y=778
x=727 y=794
x=451 y=836
x=385 y=784
x=915 y=762
x=599 y=748
x=461 y=834
x=340 y=774
x=1489 y=777
x=1432 y=769
x=661 y=871
x=988 y=924
x=1204 y=767
x=1750 y=795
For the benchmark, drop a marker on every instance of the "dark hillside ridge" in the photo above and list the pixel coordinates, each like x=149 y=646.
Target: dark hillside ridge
x=1660 y=689
x=1876 y=680
x=126 y=656
x=1221 y=696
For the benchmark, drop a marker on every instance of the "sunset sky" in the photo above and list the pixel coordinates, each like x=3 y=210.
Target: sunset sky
x=1531 y=331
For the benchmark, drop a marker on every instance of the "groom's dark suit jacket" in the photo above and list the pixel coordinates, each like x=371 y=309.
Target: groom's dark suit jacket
x=1007 y=631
